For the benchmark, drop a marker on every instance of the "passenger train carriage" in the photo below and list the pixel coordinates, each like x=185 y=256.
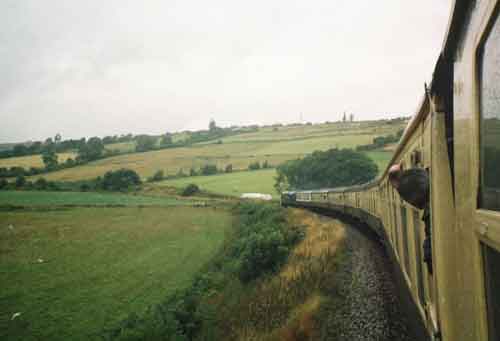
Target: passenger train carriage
x=455 y=136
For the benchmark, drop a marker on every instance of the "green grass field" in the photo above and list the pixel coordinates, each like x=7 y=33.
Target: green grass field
x=233 y=184
x=42 y=198
x=240 y=150
x=381 y=158
x=71 y=273
x=261 y=181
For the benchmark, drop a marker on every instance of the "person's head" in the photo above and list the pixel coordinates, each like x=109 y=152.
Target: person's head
x=412 y=184
x=395 y=173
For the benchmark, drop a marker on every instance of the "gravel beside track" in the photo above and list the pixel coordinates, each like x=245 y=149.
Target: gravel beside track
x=366 y=305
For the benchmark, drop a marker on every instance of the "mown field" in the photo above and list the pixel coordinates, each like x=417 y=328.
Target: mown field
x=69 y=273
x=47 y=198
x=233 y=184
x=268 y=144
x=32 y=160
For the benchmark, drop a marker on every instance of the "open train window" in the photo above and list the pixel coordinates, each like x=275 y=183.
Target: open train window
x=489 y=86
x=492 y=276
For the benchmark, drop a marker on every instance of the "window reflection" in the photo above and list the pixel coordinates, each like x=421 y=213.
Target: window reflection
x=490 y=120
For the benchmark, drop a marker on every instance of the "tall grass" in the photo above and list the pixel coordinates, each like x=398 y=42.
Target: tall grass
x=287 y=306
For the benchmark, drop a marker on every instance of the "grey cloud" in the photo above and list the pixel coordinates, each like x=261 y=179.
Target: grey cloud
x=104 y=67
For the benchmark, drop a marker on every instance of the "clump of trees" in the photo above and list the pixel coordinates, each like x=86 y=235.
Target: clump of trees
x=21 y=183
x=189 y=190
x=159 y=175
x=331 y=168
x=49 y=158
x=254 y=166
x=209 y=170
x=91 y=150
x=119 y=180
x=144 y=143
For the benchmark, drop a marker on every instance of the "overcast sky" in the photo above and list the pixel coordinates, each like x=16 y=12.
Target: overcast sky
x=93 y=67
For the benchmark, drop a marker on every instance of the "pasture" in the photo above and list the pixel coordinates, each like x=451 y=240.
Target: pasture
x=274 y=146
x=70 y=273
x=381 y=158
x=121 y=147
x=233 y=184
x=47 y=198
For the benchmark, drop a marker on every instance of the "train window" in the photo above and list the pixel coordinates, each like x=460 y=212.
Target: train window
x=489 y=75
x=492 y=269
x=418 y=256
x=404 y=230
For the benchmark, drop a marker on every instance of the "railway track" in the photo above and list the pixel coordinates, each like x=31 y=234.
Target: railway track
x=368 y=305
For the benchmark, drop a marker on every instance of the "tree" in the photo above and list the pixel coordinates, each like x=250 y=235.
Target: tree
x=166 y=140
x=49 y=158
x=20 y=181
x=209 y=170
x=212 y=126
x=41 y=184
x=144 y=143
x=254 y=166
x=190 y=190
x=159 y=175
x=57 y=138
x=20 y=150
x=91 y=150
x=229 y=168
x=119 y=180
x=351 y=117
x=69 y=162
x=3 y=183
x=265 y=164
x=281 y=182
x=344 y=118
x=332 y=168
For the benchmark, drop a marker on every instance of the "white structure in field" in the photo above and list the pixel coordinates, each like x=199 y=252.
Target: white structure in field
x=260 y=196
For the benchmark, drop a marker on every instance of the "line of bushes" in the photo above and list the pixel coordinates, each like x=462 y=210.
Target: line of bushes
x=381 y=141
x=259 y=244
x=118 y=180
x=159 y=175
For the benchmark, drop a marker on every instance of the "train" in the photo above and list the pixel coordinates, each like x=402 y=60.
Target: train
x=455 y=136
